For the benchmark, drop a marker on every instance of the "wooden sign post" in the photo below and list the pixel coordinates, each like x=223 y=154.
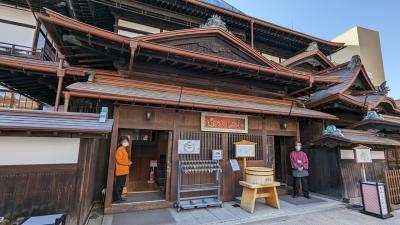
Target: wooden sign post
x=245 y=149
x=363 y=155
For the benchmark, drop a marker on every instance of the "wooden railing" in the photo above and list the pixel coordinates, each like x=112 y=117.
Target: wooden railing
x=10 y=99
x=393 y=187
x=47 y=53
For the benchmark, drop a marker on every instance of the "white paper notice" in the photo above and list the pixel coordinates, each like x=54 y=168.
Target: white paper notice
x=234 y=165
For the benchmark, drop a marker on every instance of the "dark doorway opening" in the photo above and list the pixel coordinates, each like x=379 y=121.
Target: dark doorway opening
x=283 y=145
x=147 y=176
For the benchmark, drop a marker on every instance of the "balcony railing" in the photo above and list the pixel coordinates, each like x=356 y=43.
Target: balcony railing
x=46 y=54
x=11 y=99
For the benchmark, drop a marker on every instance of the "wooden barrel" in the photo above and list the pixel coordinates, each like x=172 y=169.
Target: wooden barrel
x=259 y=175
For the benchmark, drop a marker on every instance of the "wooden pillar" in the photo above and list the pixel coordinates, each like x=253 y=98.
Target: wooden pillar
x=60 y=75
x=111 y=162
x=252 y=33
x=227 y=173
x=67 y=96
x=298 y=138
x=133 y=45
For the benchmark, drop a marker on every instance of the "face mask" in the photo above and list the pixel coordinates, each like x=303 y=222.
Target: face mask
x=298 y=147
x=125 y=143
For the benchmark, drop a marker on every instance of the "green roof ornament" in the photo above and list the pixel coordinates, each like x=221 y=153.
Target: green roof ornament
x=215 y=21
x=313 y=46
x=373 y=115
x=333 y=131
x=354 y=62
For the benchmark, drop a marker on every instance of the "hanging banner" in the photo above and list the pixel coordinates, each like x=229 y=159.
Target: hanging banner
x=218 y=122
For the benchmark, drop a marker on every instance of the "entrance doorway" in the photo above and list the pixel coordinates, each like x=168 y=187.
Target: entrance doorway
x=283 y=145
x=148 y=175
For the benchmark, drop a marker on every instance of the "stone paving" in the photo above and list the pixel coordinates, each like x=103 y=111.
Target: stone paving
x=328 y=212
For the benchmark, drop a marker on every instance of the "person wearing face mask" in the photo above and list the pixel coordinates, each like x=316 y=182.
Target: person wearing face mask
x=122 y=164
x=299 y=163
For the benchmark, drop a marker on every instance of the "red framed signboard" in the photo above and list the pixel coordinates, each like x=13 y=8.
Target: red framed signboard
x=218 y=122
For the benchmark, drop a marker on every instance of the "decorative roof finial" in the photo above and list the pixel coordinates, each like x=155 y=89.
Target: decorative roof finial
x=383 y=89
x=332 y=130
x=215 y=21
x=373 y=115
x=354 y=62
x=313 y=46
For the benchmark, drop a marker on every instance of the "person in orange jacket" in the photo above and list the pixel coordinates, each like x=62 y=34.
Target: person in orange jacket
x=122 y=164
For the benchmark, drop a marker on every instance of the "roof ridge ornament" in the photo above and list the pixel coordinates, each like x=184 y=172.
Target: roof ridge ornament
x=333 y=131
x=354 y=62
x=373 y=115
x=215 y=21
x=383 y=89
x=313 y=46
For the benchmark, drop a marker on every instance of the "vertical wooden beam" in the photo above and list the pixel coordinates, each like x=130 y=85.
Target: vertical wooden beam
x=266 y=151
x=174 y=158
x=298 y=131
x=67 y=96
x=169 y=165
x=252 y=33
x=36 y=35
x=227 y=173
x=60 y=75
x=133 y=45
x=111 y=162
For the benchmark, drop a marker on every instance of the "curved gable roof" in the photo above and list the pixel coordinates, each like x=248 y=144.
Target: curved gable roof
x=317 y=54
x=347 y=79
x=211 y=41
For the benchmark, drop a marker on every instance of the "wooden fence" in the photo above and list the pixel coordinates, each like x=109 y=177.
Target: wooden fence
x=393 y=186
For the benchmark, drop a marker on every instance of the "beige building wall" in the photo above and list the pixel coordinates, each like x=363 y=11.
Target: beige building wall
x=366 y=43
x=14 y=34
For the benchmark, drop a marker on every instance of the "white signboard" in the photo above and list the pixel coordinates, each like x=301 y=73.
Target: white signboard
x=382 y=199
x=378 y=154
x=235 y=165
x=38 y=150
x=217 y=154
x=363 y=155
x=346 y=154
x=189 y=147
x=245 y=151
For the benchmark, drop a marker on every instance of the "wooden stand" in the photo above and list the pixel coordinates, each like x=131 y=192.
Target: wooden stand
x=250 y=194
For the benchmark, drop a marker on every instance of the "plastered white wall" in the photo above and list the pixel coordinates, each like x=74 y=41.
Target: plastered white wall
x=38 y=150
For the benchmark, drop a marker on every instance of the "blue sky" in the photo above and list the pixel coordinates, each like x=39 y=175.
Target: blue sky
x=327 y=19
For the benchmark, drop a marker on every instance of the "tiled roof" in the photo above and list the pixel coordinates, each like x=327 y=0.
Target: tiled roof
x=388 y=123
x=223 y=4
x=305 y=55
x=201 y=99
x=49 y=121
x=345 y=76
x=356 y=137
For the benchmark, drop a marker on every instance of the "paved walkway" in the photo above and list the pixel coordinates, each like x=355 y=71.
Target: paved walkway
x=340 y=216
x=326 y=211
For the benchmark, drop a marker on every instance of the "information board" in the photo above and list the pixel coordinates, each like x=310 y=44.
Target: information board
x=189 y=147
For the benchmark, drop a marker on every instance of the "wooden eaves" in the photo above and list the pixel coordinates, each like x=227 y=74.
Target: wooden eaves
x=137 y=44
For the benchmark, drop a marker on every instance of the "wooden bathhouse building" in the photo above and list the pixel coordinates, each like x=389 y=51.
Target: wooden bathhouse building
x=367 y=117
x=164 y=71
